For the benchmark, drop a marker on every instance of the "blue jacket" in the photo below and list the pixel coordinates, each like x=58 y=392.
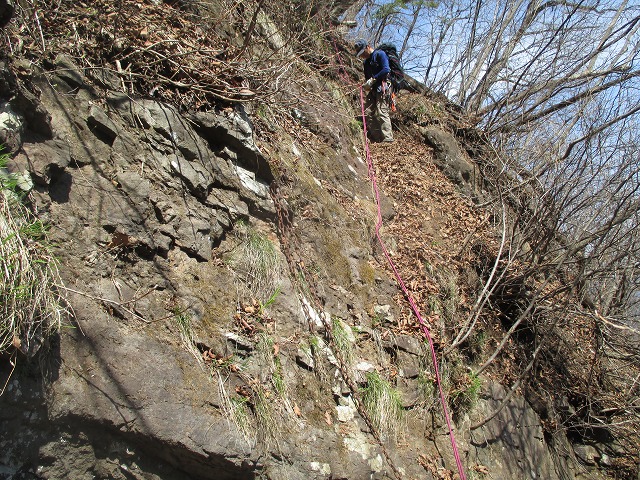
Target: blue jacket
x=377 y=66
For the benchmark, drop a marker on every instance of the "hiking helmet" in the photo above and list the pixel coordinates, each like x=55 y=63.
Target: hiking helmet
x=359 y=47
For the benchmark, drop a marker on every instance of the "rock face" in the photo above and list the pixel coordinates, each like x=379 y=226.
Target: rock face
x=143 y=203
x=132 y=190
x=516 y=429
x=449 y=157
x=7 y=7
x=178 y=363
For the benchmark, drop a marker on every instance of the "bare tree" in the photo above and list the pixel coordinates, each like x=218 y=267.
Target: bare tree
x=555 y=86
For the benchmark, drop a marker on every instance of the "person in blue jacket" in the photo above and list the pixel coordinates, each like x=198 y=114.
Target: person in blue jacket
x=378 y=89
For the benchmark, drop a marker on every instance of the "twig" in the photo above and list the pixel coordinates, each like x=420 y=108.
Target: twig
x=13 y=365
x=106 y=300
x=484 y=295
x=251 y=28
x=615 y=325
x=35 y=15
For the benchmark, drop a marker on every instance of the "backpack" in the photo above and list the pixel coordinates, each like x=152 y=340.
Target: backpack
x=397 y=72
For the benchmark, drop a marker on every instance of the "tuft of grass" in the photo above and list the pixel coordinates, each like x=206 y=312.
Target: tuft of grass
x=317 y=347
x=241 y=417
x=257 y=260
x=236 y=410
x=475 y=345
x=183 y=322
x=435 y=305
x=31 y=305
x=342 y=341
x=427 y=386
x=383 y=403
x=268 y=420
x=277 y=378
x=271 y=364
x=465 y=397
x=450 y=294
x=270 y=301
x=462 y=386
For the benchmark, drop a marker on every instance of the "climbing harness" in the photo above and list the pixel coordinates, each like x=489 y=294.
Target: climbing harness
x=388 y=94
x=412 y=303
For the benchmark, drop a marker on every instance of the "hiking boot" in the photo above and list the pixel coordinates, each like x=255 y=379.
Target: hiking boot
x=388 y=140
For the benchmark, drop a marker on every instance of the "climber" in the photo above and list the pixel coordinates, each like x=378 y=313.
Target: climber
x=378 y=90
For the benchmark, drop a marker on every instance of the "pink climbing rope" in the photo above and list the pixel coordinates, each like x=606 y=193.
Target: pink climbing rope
x=414 y=307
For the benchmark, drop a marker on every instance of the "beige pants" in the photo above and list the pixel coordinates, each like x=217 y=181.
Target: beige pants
x=376 y=109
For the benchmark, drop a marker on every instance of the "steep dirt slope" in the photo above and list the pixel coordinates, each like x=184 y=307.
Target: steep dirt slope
x=233 y=315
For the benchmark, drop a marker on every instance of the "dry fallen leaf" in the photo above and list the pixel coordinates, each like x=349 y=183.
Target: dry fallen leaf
x=482 y=469
x=296 y=409
x=327 y=417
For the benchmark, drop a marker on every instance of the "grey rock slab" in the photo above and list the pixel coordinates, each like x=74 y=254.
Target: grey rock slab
x=304 y=357
x=193 y=234
x=406 y=343
x=197 y=178
x=383 y=314
x=190 y=224
x=410 y=392
x=37 y=116
x=449 y=156
x=100 y=122
x=409 y=364
x=586 y=453
x=512 y=443
x=67 y=71
x=117 y=376
x=44 y=160
x=161 y=118
x=134 y=185
x=240 y=341
x=106 y=78
x=233 y=129
x=107 y=204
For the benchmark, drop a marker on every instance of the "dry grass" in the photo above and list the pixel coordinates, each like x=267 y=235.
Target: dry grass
x=183 y=322
x=31 y=307
x=383 y=403
x=257 y=262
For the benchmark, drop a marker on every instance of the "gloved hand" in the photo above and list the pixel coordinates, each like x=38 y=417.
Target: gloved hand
x=366 y=86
